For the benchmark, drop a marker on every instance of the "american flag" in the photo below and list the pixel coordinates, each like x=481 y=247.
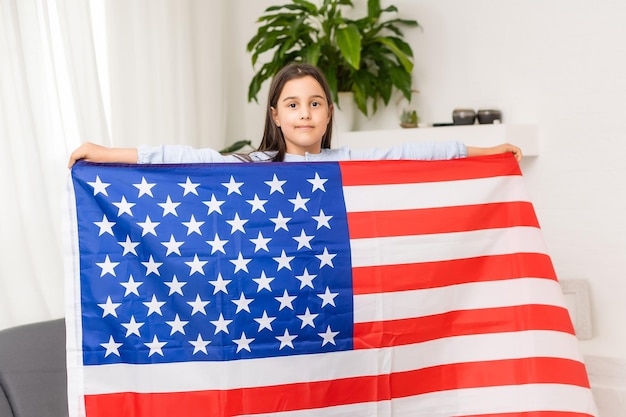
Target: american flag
x=378 y=288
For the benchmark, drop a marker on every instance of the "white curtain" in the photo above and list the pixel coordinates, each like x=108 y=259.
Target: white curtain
x=43 y=84
x=116 y=73
x=167 y=78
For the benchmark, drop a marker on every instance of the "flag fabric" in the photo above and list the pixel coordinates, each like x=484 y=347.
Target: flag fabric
x=375 y=288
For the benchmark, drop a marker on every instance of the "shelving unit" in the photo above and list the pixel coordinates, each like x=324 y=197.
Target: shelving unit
x=523 y=135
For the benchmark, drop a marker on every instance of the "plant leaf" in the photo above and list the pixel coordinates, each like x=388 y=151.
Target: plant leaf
x=349 y=43
x=402 y=57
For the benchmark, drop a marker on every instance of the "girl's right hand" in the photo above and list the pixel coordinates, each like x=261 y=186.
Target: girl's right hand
x=98 y=153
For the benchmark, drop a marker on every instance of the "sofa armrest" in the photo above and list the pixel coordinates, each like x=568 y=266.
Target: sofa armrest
x=33 y=373
x=5 y=408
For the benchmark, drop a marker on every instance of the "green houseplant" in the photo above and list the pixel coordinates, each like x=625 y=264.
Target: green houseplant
x=366 y=56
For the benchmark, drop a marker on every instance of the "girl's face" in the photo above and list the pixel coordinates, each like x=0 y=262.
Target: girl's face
x=303 y=114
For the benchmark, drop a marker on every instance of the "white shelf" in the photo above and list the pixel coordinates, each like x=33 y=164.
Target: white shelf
x=523 y=135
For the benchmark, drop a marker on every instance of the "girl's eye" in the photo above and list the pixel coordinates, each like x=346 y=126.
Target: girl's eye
x=315 y=104
x=292 y=105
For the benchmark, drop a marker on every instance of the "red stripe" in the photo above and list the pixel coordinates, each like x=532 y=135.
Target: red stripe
x=372 y=335
x=321 y=394
x=441 y=220
x=402 y=172
x=376 y=279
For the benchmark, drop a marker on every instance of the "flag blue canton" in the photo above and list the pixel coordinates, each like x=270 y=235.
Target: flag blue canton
x=212 y=262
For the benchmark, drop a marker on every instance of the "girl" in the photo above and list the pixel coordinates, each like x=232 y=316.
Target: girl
x=298 y=127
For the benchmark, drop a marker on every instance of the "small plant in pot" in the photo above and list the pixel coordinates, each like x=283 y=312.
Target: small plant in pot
x=409 y=118
x=366 y=56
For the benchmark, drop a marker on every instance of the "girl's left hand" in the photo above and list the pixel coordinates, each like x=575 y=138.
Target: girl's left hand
x=504 y=148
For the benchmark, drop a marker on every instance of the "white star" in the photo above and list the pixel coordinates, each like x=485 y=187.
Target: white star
x=148 y=226
x=129 y=246
x=154 y=306
x=155 y=346
x=199 y=345
x=152 y=266
x=107 y=266
x=144 y=187
x=283 y=261
x=276 y=185
x=286 y=339
x=265 y=322
x=111 y=346
x=175 y=286
x=221 y=325
x=172 y=246
x=99 y=186
x=109 y=307
x=307 y=319
x=217 y=245
x=189 y=187
x=237 y=224
x=285 y=300
x=132 y=327
x=280 y=222
x=220 y=284
x=177 y=325
x=196 y=265
x=241 y=264
x=131 y=286
x=299 y=202
x=328 y=297
x=124 y=207
x=322 y=220
x=260 y=242
x=326 y=258
x=328 y=336
x=233 y=187
x=105 y=226
x=257 y=204
x=306 y=279
x=193 y=226
x=198 y=305
x=242 y=303
x=263 y=282
x=214 y=205
x=318 y=183
x=303 y=240
x=243 y=342
x=169 y=207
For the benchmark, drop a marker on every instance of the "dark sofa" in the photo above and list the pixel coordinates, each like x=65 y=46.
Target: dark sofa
x=33 y=376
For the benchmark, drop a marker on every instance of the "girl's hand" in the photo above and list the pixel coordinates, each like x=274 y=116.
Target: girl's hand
x=98 y=153
x=504 y=148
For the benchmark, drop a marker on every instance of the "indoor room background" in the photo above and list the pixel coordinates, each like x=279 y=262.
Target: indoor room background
x=125 y=73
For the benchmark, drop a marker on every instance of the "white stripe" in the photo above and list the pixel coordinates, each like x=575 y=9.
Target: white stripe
x=177 y=377
x=468 y=296
x=445 y=246
x=434 y=194
x=475 y=401
x=73 y=337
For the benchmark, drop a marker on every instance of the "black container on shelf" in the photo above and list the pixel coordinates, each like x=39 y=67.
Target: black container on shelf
x=489 y=116
x=463 y=116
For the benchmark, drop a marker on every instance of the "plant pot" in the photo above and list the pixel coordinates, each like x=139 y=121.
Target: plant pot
x=345 y=113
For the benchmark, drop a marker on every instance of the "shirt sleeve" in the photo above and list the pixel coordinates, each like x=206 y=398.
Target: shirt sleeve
x=172 y=154
x=423 y=151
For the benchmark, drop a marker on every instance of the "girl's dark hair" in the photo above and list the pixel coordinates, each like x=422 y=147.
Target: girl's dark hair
x=273 y=139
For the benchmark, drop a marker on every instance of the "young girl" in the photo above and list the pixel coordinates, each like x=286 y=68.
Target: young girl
x=298 y=127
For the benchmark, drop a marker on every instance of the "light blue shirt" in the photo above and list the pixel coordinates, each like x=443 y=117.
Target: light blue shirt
x=167 y=154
